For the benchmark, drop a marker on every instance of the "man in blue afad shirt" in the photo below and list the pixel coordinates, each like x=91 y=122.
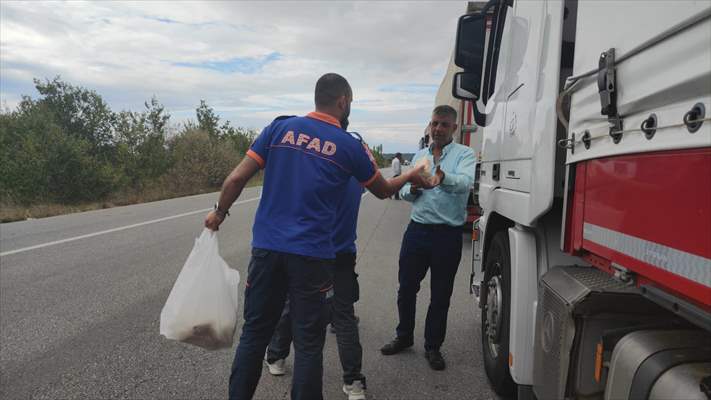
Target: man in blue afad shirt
x=433 y=239
x=308 y=162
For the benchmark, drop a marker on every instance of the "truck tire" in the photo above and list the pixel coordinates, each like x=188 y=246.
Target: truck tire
x=495 y=300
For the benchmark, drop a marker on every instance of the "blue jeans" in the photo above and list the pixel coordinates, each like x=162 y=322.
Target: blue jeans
x=439 y=249
x=346 y=293
x=308 y=283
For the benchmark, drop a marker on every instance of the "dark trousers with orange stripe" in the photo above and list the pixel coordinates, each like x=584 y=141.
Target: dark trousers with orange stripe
x=308 y=283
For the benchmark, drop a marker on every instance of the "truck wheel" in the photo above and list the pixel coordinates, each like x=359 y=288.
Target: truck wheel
x=495 y=300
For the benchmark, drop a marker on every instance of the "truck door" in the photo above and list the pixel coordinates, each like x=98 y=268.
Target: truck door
x=526 y=28
x=527 y=92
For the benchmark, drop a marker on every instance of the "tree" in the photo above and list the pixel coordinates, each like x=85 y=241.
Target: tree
x=207 y=120
x=140 y=140
x=78 y=111
x=39 y=161
x=67 y=146
x=156 y=117
x=377 y=152
x=236 y=138
x=239 y=138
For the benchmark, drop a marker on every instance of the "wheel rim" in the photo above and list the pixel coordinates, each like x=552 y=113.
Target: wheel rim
x=493 y=311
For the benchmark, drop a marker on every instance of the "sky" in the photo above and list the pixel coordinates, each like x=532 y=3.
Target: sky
x=250 y=61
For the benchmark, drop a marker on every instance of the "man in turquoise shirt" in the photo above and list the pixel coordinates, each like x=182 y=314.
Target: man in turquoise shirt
x=433 y=239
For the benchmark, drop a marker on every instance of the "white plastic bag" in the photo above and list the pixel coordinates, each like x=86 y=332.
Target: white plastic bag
x=202 y=306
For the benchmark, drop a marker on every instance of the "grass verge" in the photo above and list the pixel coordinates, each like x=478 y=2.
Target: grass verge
x=10 y=212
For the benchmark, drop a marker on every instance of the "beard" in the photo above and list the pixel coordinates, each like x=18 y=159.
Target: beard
x=344 y=118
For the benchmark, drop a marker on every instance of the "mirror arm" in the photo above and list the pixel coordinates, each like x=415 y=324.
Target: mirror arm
x=479 y=118
x=488 y=5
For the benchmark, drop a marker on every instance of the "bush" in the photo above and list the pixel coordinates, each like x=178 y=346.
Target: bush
x=40 y=162
x=201 y=161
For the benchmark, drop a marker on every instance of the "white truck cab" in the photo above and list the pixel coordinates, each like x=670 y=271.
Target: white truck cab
x=593 y=258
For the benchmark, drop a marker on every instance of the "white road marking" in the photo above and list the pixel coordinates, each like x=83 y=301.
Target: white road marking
x=153 y=221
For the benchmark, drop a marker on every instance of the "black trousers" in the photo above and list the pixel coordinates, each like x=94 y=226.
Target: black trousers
x=346 y=293
x=308 y=284
x=439 y=249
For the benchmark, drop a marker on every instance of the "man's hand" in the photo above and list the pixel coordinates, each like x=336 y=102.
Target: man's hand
x=437 y=178
x=416 y=178
x=414 y=189
x=231 y=189
x=213 y=221
x=418 y=169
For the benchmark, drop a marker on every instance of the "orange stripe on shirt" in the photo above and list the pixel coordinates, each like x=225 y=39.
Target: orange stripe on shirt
x=372 y=179
x=324 y=117
x=370 y=155
x=256 y=157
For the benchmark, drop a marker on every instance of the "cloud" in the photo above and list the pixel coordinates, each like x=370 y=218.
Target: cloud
x=159 y=19
x=251 y=61
x=410 y=88
x=245 y=65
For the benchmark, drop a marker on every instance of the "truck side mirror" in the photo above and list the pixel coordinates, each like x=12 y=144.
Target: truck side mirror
x=471 y=40
x=469 y=53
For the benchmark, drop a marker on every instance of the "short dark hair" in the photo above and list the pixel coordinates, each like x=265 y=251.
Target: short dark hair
x=445 y=111
x=329 y=88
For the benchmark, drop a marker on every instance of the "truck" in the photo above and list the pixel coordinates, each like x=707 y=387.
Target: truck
x=591 y=265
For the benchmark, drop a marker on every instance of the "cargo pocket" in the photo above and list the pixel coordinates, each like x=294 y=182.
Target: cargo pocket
x=259 y=258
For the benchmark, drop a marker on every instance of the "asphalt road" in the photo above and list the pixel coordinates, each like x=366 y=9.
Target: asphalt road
x=79 y=318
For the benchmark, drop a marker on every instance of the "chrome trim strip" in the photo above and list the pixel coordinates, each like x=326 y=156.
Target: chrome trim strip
x=690 y=266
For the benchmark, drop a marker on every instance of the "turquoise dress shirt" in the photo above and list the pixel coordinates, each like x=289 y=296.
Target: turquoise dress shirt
x=447 y=202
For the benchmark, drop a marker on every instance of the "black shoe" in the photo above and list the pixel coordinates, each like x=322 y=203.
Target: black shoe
x=434 y=357
x=396 y=346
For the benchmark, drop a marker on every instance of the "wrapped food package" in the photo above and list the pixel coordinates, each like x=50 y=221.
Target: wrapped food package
x=208 y=337
x=427 y=171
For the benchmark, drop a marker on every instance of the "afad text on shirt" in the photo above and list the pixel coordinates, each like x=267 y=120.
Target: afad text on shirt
x=328 y=148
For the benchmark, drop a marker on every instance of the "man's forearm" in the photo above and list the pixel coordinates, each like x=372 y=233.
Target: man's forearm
x=457 y=183
x=231 y=189
x=462 y=179
x=394 y=184
x=383 y=188
x=236 y=181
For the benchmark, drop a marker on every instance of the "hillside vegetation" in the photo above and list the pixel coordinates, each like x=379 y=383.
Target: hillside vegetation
x=67 y=151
